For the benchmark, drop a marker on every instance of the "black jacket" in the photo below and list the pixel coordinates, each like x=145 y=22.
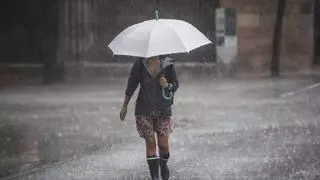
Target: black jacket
x=150 y=99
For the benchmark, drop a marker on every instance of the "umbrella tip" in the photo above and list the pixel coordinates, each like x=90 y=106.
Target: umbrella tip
x=157 y=14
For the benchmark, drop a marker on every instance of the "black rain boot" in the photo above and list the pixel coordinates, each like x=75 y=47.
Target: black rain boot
x=153 y=163
x=165 y=173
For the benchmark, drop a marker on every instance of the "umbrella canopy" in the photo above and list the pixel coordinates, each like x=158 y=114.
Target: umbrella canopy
x=158 y=37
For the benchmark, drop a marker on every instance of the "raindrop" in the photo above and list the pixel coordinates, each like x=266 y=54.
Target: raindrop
x=35 y=116
x=8 y=139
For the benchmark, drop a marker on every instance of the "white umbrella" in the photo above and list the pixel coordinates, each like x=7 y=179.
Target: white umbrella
x=157 y=37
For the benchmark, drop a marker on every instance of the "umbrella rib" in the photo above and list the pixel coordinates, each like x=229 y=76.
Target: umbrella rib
x=126 y=31
x=171 y=28
x=148 y=45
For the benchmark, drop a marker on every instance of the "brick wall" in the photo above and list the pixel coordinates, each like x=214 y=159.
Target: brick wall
x=297 y=42
x=255 y=26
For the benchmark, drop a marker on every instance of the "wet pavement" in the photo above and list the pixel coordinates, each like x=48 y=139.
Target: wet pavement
x=230 y=129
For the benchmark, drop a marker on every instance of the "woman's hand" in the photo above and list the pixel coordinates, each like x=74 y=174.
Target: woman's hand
x=123 y=113
x=163 y=82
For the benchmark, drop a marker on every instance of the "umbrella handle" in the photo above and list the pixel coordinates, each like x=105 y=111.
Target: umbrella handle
x=165 y=96
x=163 y=91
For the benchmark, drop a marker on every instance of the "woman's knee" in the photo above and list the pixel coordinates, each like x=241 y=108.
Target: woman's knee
x=163 y=144
x=163 y=147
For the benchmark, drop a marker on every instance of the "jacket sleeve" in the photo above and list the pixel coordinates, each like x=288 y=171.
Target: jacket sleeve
x=134 y=79
x=172 y=79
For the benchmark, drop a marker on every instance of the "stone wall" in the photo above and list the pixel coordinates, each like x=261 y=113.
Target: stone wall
x=255 y=26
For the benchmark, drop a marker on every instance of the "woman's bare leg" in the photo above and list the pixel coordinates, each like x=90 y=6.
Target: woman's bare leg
x=163 y=144
x=151 y=146
x=164 y=151
x=153 y=160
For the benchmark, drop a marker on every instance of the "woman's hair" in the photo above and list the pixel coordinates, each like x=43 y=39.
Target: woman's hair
x=162 y=57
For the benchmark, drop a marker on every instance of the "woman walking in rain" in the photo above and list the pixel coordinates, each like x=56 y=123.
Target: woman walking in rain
x=153 y=109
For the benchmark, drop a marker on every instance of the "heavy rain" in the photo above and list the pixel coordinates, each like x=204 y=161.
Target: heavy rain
x=247 y=106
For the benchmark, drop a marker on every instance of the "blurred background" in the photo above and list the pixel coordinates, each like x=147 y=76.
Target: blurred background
x=247 y=108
